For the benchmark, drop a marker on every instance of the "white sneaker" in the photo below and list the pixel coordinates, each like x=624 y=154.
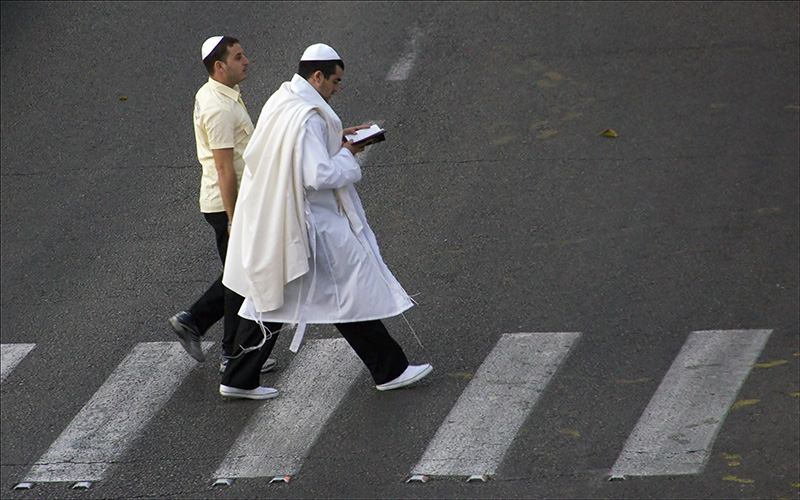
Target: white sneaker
x=257 y=393
x=413 y=373
x=268 y=366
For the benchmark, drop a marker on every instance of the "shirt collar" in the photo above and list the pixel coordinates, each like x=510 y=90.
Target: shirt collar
x=233 y=93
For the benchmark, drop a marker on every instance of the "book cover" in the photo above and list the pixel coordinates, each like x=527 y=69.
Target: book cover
x=367 y=136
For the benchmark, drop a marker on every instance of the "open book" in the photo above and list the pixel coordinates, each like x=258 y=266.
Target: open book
x=367 y=136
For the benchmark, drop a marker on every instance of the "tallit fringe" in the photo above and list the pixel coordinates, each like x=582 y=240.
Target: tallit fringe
x=412 y=329
x=267 y=334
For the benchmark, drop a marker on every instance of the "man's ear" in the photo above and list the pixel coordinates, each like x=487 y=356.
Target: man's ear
x=318 y=77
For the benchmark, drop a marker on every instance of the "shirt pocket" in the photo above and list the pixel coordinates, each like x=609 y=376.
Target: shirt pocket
x=244 y=128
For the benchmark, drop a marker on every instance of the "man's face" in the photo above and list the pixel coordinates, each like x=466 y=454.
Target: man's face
x=329 y=86
x=235 y=65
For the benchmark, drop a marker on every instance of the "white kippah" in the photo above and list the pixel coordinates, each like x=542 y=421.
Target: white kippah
x=210 y=44
x=320 y=52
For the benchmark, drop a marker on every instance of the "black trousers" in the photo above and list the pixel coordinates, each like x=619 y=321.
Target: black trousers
x=383 y=357
x=218 y=302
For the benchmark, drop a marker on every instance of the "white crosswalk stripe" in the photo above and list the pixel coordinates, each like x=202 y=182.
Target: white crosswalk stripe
x=280 y=434
x=402 y=68
x=10 y=357
x=675 y=434
x=115 y=415
x=481 y=426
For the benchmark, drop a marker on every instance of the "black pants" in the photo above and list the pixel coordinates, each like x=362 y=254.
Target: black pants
x=218 y=302
x=383 y=357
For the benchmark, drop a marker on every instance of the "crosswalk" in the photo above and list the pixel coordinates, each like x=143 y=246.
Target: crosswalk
x=293 y=422
x=10 y=357
x=480 y=428
x=673 y=436
x=117 y=412
x=675 y=433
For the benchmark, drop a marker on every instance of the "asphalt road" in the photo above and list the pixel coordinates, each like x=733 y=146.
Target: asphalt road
x=495 y=199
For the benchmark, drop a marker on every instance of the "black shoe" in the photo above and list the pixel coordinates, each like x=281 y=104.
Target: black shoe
x=188 y=334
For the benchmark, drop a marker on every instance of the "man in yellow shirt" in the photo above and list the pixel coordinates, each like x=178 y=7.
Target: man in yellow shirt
x=222 y=130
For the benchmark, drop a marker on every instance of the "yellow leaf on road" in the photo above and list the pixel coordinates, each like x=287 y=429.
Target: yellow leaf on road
x=639 y=380
x=738 y=479
x=745 y=402
x=570 y=432
x=538 y=125
x=771 y=364
x=504 y=140
x=544 y=134
x=609 y=133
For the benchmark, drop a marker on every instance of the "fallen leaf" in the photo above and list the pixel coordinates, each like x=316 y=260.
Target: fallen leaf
x=570 y=432
x=609 y=133
x=738 y=479
x=634 y=381
x=504 y=140
x=538 y=126
x=123 y=98
x=744 y=402
x=544 y=134
x=771 y=364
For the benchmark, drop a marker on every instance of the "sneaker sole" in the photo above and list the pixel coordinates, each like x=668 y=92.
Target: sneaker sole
x=414 y=380
x=236 y=395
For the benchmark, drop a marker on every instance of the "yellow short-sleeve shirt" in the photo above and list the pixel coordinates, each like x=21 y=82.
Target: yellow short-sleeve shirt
x=221 y=121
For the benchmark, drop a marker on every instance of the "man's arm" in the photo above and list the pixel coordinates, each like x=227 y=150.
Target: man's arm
x=320 y=170
x=226 y=178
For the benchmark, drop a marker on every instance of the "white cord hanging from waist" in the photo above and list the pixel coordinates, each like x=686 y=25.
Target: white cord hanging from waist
x=301 y=311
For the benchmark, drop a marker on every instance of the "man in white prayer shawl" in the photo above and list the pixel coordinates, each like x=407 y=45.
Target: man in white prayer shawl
x=300 y=248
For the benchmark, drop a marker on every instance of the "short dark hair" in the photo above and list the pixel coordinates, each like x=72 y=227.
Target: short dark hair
x=328 y=68
x=220 y=53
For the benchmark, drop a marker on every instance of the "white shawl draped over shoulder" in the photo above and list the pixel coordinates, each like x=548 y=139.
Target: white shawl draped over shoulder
x=268 y=245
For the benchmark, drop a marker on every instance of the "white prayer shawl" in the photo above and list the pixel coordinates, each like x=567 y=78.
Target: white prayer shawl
x=297 y=175
x=268 y=245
